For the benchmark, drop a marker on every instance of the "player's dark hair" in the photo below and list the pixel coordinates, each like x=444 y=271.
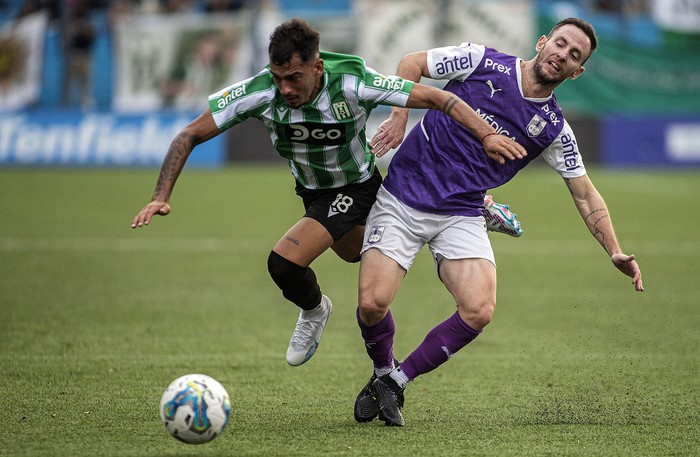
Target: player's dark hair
x=581 y=24
x=293 y=36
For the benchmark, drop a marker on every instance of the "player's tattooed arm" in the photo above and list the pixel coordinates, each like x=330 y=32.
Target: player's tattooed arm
x=593 y=219
x=450 y=104
x=594 y=212
x=178 y=152
x=198 y=131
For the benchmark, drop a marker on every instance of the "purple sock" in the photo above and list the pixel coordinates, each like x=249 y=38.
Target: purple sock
x=439 y=345
x=379 y=340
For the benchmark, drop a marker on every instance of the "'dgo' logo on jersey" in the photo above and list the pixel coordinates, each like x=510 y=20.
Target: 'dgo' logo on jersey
x=313 y=133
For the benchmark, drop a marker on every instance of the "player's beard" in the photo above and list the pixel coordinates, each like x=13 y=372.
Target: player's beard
x=542 y=78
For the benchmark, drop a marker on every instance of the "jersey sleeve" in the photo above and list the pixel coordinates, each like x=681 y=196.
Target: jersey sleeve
x=455 y=62
x=384 y=90
x=563 y=154
x=242 y=100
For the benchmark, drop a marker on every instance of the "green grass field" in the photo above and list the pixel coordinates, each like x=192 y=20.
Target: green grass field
x=97 y=319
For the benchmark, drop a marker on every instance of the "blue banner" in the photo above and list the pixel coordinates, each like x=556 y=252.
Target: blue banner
x=651 y=141
x=76 y=138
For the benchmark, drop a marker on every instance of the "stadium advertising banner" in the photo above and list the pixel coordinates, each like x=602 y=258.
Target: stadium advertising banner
x=651 y=141
x=21 y=52
x=389 y=30
x=623 y=79
x=677 y=15
x=60 y=138
x=636 y=69
x=177 y=61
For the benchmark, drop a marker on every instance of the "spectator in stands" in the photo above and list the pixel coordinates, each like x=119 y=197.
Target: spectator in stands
x=213 y=6
x=176 y=6
x=79 y=37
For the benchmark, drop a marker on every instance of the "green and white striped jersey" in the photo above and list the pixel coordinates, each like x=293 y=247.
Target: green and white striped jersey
x=325 y=140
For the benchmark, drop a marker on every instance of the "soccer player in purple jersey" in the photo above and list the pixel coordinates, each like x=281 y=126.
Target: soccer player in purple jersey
x=434 y=189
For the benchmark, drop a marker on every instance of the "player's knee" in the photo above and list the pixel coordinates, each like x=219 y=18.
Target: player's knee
x=372 y=308
x=350 y=257
x=478 y=315
x=298 y=284
x=483 y=317
x=347 y=251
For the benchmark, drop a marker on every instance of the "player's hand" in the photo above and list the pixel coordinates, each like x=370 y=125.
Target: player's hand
x=144 y=216
x=627 y=265
x=500 y=147
x=389 y=134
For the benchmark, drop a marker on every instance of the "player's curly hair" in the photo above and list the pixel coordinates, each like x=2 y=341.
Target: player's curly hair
x=581 y=24
x=293 y=36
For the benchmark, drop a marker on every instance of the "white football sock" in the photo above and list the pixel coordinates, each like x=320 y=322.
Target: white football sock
x=400 y=377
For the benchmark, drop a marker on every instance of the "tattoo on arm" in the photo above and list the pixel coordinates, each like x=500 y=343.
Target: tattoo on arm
x=178 y=151
x=450 y=104
x=597 y=233
x=567 y=181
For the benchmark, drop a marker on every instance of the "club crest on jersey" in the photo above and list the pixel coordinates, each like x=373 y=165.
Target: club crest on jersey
x=315 y=133
x=376 y=234
x=341 y=110
x=536 y=125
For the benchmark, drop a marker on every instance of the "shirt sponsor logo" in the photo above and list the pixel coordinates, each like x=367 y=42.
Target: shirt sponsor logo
x=536 y=126
x=491 y=120
x=570 y=150
x=455 y=64
x=551 y=115
x=499 y=67
x=317 y=134
x=393 y=83
x=230 y=95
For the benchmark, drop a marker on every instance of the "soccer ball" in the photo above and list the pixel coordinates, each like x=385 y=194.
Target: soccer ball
x=195 y=408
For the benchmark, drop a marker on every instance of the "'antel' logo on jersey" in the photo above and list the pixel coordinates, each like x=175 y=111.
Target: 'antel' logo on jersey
x=318 y=134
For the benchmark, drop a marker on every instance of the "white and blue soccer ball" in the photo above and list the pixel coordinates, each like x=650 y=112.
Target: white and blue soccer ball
x=195 y=408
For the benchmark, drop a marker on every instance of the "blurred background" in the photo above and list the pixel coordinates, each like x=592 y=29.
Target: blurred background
x=110 y=82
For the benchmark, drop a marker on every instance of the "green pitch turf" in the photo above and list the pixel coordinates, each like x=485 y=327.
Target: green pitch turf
x=97 y=319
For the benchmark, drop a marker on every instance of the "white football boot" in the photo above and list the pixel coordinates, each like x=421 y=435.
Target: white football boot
x=308 y=331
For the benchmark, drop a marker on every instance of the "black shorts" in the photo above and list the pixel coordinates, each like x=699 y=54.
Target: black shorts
x=342 y=209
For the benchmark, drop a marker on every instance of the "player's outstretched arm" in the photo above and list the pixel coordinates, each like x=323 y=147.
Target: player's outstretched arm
x=593 y=210
x=198 y=131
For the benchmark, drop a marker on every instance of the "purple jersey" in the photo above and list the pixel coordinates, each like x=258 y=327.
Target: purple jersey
x=442 y=168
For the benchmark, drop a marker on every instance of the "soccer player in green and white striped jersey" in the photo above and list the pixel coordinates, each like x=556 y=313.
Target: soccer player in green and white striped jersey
x=324 y=138
x=315 y=107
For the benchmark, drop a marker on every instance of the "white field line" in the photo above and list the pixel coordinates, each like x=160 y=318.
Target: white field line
x=186 y=245
x=224 y=245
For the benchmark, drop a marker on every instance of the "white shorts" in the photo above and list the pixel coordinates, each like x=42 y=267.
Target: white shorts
x=400 y=232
